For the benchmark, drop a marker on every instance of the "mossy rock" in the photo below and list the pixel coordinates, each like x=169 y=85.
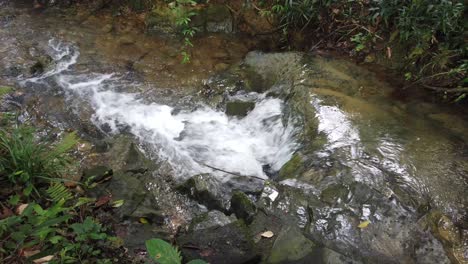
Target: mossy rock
x=292 y=168
x=239 y=108
x=291 y=246
x=242 y=206
x=96 y=174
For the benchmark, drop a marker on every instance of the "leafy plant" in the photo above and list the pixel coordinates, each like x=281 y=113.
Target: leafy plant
x=164 y=253
x=27 y=161
x=55 y=231
x=57 y=192
x=183 y=12
x=361 y=41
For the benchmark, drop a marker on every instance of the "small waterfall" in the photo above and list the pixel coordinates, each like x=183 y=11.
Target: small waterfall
x=192 y=141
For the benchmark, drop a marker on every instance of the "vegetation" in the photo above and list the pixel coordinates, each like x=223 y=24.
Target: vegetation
x=162 y=252
x=55 y=225
x=24 y=161
x=429 y=35
x=183 y=11
x=49 y=224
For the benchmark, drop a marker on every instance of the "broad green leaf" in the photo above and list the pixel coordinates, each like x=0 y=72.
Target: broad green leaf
x=163 y=252
x=14 y=200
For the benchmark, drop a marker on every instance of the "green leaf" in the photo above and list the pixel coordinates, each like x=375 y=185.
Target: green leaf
x=14 y=200
x=459 y=98
x=55 y=239
x=163 y=252
x=57 y=191
x=84 y=200
x=118 y=203
x=27 y=191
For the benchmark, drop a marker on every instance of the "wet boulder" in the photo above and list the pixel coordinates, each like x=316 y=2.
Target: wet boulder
x=41 y=65
x=218 y=18
x=230 y=244
x=242 y=206
x=210 y=219
x=239 y=108
x=207 y=190
x=292 y=247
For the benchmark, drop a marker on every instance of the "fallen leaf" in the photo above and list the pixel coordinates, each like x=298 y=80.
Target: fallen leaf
x=6 y=212
x=267 y=234
x=103 y=200
x=143 y=220
x=20 y=208
x=44 y=259
x=364 y=224
x=29 y=253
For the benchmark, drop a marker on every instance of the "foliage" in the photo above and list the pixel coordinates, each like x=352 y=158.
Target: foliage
x=27 y=161
x=431 y=33
x=57 y=192
x=35 y=232
x=164 y=253
x=183 y=12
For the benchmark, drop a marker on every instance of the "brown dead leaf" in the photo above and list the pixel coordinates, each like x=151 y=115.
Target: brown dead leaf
x=29 y=252
x=103 y=200
x=20 y=208
x=267 y=234
x=70 y=184
x=6 y=212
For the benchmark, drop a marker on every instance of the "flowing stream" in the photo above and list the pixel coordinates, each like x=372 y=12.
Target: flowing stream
x=371 y=156
x=191 y=140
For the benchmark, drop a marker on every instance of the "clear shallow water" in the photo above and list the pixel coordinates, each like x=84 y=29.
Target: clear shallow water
x=189 y=139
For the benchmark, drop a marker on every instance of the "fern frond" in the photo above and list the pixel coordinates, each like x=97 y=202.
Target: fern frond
x=58 y=191
x=65 y=145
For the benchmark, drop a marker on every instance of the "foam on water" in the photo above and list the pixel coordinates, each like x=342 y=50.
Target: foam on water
x=189 y=140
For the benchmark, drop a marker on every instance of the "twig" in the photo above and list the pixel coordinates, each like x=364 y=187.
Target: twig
x=425 y=78
x=445 y=90
x=229 y=172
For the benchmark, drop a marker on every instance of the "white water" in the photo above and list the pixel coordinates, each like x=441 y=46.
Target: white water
x=189 y=140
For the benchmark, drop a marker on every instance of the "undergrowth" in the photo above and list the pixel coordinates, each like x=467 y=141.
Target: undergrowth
x=430 y=35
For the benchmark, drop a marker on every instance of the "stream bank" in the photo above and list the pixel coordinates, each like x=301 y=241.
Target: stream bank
x=366 y=178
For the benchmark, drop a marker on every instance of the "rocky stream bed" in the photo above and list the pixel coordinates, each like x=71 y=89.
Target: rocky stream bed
x=242 y=156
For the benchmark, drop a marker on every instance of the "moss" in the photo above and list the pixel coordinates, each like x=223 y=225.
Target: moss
x=242 y=206
x=239 y=108
x=333 y=193
x=291 y=247
x=292 y=168
x=4 y=90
